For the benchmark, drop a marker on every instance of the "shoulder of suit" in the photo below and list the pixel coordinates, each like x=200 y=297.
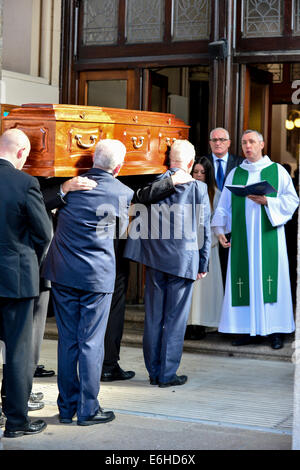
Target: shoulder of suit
x=25 y=178
x=123 y=187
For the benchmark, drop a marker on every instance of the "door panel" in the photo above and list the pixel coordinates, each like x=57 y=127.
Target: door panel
x=110 y=88
x=257 y=108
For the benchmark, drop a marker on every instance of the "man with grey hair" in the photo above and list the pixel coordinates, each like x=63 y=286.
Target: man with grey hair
x=223 y=162
x=174 y=259
x=257 y=298
x=81 y=267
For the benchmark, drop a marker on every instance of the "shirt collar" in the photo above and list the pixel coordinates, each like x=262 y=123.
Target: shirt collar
x=223 y=159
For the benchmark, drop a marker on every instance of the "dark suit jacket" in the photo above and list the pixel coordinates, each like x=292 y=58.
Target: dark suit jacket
x=81 y=254
x=25 y=232
x=176 y=254
x=232 y=162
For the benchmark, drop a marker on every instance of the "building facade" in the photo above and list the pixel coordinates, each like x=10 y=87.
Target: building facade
x=229 y=63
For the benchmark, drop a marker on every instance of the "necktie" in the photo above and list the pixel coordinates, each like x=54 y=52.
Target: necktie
x=220 y=174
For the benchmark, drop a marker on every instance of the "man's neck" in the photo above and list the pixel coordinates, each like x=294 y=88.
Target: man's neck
x=8 y=160
x=178 y=167
x=255 y=160
x=220 y=156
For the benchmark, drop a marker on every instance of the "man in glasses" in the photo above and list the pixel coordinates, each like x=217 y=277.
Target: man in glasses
x=220 y=157
x=223 y=162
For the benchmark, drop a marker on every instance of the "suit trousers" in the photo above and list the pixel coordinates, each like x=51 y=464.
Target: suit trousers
x=167 y=305
x=115 y=324
x=39 y=321
x=16 y=333
x=81 y=318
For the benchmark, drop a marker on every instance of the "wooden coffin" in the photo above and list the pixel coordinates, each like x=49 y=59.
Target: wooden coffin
x=63 y=137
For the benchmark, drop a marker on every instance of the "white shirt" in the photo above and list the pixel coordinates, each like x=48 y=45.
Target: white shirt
x=224 y=161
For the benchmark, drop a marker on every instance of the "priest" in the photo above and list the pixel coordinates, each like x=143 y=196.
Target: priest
x=257 y=299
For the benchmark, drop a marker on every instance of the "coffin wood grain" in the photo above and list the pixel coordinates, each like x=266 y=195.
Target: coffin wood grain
x=63 y=137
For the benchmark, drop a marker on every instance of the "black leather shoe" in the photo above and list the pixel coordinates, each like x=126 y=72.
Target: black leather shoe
x=36 y=397
x=153 y=381
x=195 y=332
x=41 y=372
x=117 y=374
x=276 y=341
x=33 y=428
x=100 y=417
x=178 y=380
x=34 y=406
x=243 y=340
x=65 y=420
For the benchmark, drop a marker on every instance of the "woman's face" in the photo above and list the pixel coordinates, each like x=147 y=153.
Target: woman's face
x=199 y=172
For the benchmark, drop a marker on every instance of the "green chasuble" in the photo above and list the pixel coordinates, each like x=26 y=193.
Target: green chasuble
x=239 y=244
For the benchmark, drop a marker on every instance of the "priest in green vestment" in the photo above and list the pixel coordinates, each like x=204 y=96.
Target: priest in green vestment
x=257 y=297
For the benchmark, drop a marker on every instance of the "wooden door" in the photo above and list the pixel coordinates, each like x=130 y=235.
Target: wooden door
x=155 y=92
x=257 y=103
x=110 y=89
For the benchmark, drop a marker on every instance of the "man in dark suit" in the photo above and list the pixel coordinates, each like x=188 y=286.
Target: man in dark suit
x=81 y=267
x=172 y=239
x=25 y=232
x=223 y=162
x=148 y=194
x=53 y=191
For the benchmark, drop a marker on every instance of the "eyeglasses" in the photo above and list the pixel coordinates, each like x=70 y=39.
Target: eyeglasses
x=222 y=140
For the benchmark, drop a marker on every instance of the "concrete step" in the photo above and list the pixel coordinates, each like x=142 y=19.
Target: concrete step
x=214 y=343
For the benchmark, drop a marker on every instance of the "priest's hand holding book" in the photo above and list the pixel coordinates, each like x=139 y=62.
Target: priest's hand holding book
x=258 y=199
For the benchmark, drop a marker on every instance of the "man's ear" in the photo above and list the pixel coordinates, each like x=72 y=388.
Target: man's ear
x=116 y=170
x=20 y=153
x=191 y=163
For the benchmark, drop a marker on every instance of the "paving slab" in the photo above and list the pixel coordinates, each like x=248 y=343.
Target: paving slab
x=227 y=403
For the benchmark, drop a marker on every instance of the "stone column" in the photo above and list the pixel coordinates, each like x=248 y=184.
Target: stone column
x=1 y=44
x=296 y=359
x=2 y=85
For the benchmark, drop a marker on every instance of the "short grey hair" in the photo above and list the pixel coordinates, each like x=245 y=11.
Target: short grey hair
x=259 y=135
x=109 y=153
x=220 y=129
x=182 y=151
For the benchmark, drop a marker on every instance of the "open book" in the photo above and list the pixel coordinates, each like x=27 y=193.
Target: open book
x=258 y=189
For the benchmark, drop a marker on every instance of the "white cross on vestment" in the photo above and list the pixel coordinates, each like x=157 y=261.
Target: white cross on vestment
x=269 y=280
x=240 y=283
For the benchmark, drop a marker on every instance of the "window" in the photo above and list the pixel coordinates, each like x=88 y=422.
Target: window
x=100 y=22
x=262 y=18
x=145 y=21
x=296 y=14
x=191 y=20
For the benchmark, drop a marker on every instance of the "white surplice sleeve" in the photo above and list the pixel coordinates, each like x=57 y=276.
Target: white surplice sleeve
x=280 y=209
x=221 y=221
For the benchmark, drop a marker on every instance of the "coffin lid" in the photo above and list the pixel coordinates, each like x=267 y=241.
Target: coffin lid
x=67 y=112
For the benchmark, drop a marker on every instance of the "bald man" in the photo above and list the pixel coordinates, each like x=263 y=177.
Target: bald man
x=25 y=232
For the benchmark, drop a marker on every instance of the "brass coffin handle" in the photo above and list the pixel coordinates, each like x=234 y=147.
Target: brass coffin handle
x=137 y=145
x=78 y=137
x=168 y=141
